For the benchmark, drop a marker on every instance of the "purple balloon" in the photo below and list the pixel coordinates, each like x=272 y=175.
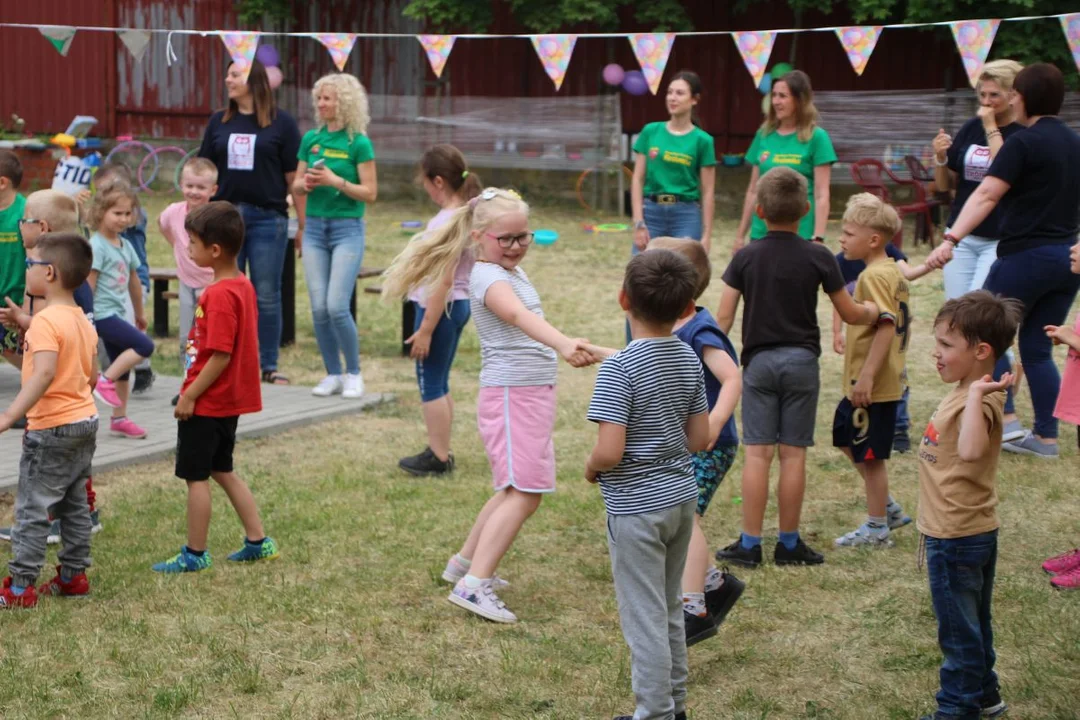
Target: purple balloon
x=267 y=55
x=614 y=74
x=634 y=83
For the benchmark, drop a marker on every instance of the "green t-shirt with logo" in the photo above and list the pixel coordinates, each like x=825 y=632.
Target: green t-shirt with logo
x=776 y=150
x=342 y=155
x=12 y=254
x=673 y=162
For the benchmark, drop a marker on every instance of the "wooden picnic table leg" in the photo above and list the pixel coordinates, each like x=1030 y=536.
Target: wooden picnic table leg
x=161 y=308
x=288 y=296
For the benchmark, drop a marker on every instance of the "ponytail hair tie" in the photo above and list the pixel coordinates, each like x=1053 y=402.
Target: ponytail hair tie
x=464 y=174
x=473 y=201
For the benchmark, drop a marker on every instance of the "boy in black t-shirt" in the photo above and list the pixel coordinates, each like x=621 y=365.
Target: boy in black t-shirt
x=780 y=276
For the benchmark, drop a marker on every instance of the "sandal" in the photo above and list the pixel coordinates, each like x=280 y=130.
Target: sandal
x=273 y=377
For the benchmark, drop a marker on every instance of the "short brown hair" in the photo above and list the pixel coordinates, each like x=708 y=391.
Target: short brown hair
x=870 y=211
x=782 y=193
x=217 y=223
x=69 y=254
x=1043 y=88
x=54 y=207
x=108 y=195
x=201 y=167
x=693 y=251
x=11 y=167
x=659 y=285
x=983 y=317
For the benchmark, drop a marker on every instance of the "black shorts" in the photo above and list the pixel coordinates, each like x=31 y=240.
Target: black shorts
x=204 y=445
x=867 y=432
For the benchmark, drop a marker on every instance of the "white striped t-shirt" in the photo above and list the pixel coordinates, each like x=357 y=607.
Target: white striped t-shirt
x=651 y=387
x=508 y=357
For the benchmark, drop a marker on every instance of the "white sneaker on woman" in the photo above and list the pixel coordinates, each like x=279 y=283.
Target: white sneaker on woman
x=354 y=387
x=330 y=385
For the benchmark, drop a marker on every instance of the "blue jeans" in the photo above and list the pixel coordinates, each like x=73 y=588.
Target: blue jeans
x=136 y=235
x=961 y=572
x=333 y=253
x=1040 y=278
x=262 y=257
x=680 y=220
x=903 y=416
x=433 y=372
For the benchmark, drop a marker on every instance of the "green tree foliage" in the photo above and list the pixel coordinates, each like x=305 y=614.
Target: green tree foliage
x=543 y=16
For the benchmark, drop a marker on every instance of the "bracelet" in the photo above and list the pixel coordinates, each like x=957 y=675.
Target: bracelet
x=949 y=237
x=992 y=133
x=939 y=163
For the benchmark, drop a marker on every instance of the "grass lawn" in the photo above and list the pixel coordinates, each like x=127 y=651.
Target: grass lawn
x=352 y=621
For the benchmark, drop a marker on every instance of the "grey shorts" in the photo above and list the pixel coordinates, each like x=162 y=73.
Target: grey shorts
x=780 y=397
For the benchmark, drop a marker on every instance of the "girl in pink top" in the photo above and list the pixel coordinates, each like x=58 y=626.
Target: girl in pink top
x=1065 y=568
x=441 y=312
x=198 y=181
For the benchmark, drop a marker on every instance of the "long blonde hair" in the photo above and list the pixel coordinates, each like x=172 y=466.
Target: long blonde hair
x=806 y=115
x=430 y=255
x=352 y=101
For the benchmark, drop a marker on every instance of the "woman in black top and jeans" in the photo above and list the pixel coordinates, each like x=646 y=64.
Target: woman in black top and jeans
x=254 y=146
x=1035 y=178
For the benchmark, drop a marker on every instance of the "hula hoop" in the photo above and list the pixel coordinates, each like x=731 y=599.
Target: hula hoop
x=144 y=185
x=132 y=145
x=611 y=228
x=581 y=183
x=180 y=168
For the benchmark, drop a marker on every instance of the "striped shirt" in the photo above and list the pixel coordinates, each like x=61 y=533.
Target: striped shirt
x=508 y=357
x=652 y=387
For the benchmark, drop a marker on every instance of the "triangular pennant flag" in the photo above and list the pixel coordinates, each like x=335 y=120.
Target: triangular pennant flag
x=755 y=46
x=241 y=47
x=438 y=49
x=1071 y=25
x=60 y=36
x=973 y=40
x=859 y=42
x=136 y=41
x=652 y=51
x=339 y=45
x=555 y=52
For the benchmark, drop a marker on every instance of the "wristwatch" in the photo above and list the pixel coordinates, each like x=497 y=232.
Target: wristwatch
x=639 y=225
x=950 y=238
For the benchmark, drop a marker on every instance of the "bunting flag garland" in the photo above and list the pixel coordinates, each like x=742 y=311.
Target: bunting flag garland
x=973 y=40
x=652 y=51
x=339 y=45
x=554 y=52
x=438 y=49
x=241 y=47
x=59 y=36
x=859 y=42
x=136 y=41
x=1071 y=25
x=755 y=46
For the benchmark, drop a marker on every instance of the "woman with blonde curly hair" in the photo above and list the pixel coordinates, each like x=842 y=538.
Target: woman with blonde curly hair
x=337 y=172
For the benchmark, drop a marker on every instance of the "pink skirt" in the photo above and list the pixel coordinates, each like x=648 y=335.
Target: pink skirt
x=516 y=425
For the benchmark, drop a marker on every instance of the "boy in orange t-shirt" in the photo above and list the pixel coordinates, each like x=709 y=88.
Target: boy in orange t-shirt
x=58 y=373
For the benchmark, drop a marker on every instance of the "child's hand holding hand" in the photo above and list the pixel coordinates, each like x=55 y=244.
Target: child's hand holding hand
x=988 y=385
x=185 y=408
x=1060 y=334
x=576 y=352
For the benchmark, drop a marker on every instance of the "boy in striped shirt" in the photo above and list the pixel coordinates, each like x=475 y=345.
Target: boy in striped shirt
x=650 y=405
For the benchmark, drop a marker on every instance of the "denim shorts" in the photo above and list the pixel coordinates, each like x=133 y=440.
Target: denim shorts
x=433 y=372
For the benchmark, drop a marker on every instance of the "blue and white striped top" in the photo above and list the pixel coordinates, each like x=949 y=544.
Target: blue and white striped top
x=651 y=387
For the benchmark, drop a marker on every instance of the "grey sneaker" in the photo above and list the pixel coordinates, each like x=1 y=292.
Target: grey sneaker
x=1013 y=430
x=897 y=517
x=482 y=601
x=1031 y=445
x=863 y=536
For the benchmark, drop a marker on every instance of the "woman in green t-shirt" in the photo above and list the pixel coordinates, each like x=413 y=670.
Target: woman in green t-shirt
x=674 y=171
x=337 y=172
x=790 y=137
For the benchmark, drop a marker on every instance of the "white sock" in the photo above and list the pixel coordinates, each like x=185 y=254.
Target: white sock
x=472 y=582
x=464 y=562
x=714 y=579
x=694 y=603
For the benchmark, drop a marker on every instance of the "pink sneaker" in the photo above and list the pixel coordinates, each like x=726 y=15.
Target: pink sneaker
x=1063 y=563
x=1067 y=581
x=105 y=391
x=124 y=427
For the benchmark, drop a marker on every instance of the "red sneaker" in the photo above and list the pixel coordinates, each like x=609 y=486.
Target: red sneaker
x=1063 y=563
x=56 y=587
x=1067 y=581
x=9 y=600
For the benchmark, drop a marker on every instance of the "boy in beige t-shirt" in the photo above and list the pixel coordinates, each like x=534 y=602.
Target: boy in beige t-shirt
x=958 y=460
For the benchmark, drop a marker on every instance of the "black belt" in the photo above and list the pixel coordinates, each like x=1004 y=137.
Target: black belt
x=667 y=199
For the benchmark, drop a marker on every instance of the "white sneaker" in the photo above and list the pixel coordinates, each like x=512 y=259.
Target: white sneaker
x=354 y=387
x=863 y=536
x=482 y=601
x=329 y=385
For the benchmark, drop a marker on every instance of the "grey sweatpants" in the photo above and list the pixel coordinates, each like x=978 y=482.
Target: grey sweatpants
x=189 y=300
x=53 y=471
x=648 y=553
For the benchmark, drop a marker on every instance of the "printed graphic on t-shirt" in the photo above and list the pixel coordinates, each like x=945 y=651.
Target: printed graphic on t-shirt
x=122 y=276
x=678 y=158
x=242 y=151
x=976 y=162
x=654 y=152
x=930 y=440
x=787 y=159
x=9 y=237
x=335 y=154
x=191 y=348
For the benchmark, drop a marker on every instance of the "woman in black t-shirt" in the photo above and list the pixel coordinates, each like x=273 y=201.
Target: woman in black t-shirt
x=1035 y=179
x=254 y=146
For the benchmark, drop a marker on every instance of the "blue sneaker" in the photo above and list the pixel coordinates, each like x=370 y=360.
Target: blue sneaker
x=266 y=550
x=184 y=561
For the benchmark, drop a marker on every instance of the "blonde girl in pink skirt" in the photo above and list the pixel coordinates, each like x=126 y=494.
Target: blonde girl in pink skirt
x=519 y=357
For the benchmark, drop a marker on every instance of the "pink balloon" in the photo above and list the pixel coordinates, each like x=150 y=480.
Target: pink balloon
x=613 y=74
x=275 y=77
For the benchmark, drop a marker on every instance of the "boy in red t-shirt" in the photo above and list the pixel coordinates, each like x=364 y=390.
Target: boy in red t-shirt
x=220 y=384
